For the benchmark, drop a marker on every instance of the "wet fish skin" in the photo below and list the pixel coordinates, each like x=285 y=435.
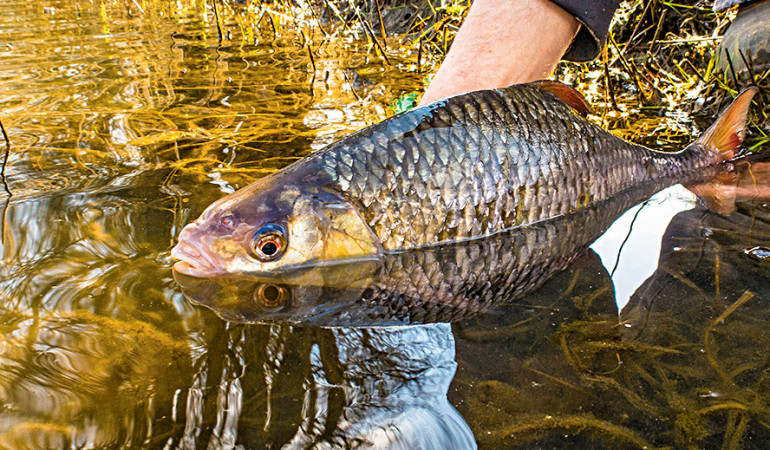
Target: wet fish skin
x=443 y=283
x=486 y=161
x=462 y=168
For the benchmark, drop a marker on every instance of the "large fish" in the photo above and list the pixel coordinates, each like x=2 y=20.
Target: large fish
x=442 y=283
x=458 y=169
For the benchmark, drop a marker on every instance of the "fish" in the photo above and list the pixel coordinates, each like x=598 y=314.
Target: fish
x=443 y=283
x=459 y=169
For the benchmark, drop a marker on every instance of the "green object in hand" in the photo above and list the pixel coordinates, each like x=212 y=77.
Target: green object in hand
x=404 y=102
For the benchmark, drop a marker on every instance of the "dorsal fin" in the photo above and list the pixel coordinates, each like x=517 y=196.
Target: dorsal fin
x=567 y=94
x=726 y=134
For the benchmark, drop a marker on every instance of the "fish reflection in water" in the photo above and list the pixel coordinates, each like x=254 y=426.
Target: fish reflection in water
x=442 y=283
x=605 y=370
x=395 y=380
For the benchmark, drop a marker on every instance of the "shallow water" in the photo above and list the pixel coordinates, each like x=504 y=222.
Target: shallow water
x=127 y=118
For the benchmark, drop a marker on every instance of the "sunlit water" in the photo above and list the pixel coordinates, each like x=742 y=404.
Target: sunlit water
x=127 y=118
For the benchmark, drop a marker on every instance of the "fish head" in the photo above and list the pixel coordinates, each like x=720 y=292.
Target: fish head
x=270 y=226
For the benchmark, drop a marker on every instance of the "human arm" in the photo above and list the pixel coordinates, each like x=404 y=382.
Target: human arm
x=504 y=42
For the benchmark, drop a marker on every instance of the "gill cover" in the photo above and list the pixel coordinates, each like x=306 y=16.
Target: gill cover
x=324 y=228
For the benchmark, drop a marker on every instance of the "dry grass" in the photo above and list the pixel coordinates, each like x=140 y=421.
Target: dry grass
x=657 y=82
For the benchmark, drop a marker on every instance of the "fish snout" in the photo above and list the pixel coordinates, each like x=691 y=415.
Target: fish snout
x=193 y=257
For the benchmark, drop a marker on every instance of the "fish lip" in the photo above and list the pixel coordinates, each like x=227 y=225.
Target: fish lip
x=194 y=262
x=185 y=268
x=189 y=254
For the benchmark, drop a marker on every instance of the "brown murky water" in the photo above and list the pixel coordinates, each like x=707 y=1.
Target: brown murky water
x=127 y=118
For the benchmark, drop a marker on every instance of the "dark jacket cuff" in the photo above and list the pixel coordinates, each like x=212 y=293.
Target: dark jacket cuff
x=594 y=18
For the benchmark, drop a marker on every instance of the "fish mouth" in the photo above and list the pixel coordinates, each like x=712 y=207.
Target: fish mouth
x=195 y=263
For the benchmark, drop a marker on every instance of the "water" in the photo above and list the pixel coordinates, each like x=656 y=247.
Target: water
x=128 y=118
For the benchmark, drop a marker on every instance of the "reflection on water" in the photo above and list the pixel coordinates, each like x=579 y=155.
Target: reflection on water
x=684 y=366
x=128 y=118
x=443 y=283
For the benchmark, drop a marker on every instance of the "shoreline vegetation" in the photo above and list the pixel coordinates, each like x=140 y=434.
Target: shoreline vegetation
x=656 y=83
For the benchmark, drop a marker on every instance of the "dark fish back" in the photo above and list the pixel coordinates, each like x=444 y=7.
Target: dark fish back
x=483 y=162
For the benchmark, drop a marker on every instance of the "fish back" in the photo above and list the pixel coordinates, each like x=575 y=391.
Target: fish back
x=483 y=162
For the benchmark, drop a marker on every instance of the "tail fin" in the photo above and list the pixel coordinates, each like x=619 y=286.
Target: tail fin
x=726 y=134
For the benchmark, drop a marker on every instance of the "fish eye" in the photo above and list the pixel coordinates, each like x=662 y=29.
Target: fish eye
x=271 y=295
x=269 y=243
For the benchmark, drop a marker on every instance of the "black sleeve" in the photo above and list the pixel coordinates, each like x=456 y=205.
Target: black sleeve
x=594 y=18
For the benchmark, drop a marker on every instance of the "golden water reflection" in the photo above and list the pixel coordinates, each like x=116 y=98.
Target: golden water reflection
x=127 y=118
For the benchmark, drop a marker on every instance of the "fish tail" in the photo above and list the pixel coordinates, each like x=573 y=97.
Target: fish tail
x=725 y=136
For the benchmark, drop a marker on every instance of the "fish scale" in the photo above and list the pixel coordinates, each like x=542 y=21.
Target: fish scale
x=539 y=160
x=460 y=169
x=448 y=283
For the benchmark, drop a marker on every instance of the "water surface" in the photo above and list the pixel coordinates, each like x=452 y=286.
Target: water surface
x=128 y=118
